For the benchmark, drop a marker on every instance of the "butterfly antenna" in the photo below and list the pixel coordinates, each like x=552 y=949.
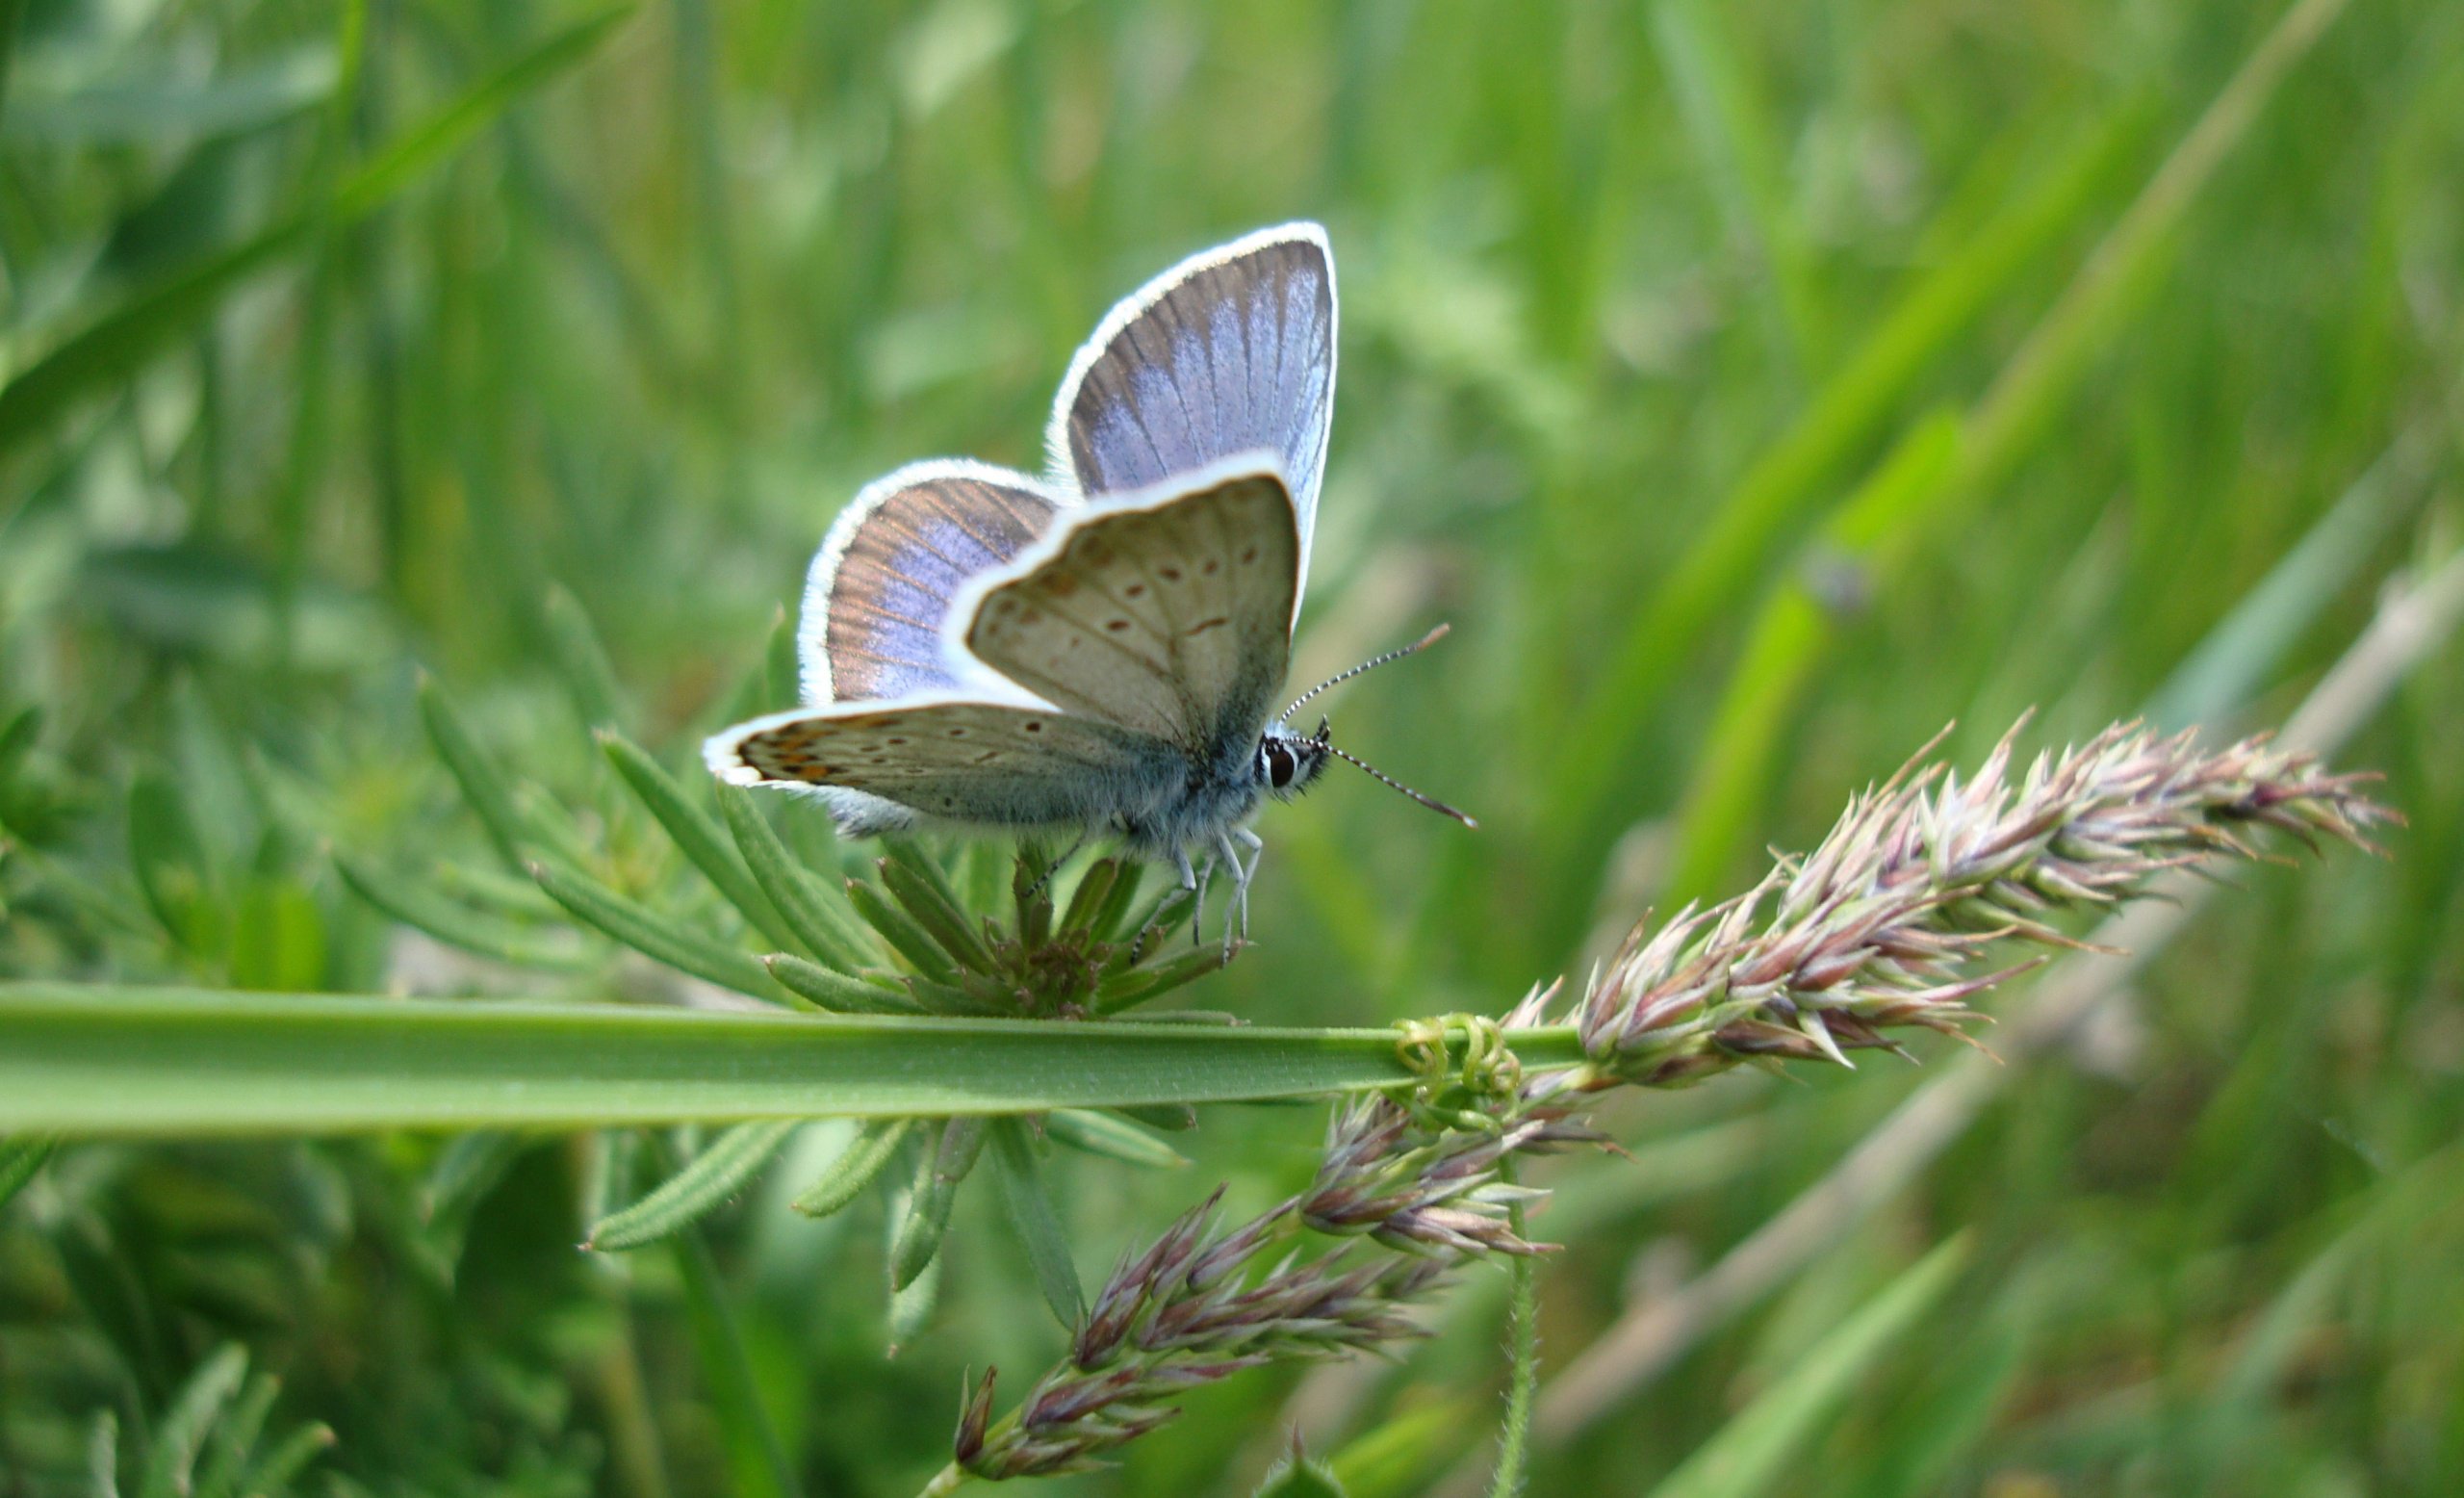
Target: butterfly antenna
x=1382 y=777
x=1421 y=644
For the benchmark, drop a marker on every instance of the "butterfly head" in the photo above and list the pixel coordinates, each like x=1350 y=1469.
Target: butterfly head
x=1288 y=762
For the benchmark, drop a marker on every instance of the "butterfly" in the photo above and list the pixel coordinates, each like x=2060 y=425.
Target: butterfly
x=1098 y=650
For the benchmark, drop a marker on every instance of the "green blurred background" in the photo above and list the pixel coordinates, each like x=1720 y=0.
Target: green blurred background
x=1756 y=388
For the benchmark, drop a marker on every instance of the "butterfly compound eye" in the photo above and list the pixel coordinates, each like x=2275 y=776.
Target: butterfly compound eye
x=1276 y=764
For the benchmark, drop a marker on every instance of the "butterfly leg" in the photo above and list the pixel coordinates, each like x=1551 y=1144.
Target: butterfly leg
x=1054 y=868
x=1242 y=874
x=1198 y=909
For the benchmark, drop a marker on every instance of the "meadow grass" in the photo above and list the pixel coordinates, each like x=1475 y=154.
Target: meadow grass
x=1755 y=389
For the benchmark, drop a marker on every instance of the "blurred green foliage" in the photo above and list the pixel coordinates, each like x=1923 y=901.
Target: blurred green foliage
x=1722 y=373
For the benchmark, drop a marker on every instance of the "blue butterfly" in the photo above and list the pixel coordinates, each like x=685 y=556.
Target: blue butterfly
x=1099 y=651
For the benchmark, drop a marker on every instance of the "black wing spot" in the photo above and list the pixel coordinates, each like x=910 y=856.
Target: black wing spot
x=1116 y=624
x=1035 y=726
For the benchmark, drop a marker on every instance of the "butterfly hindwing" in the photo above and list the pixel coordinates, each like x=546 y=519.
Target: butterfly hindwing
x=881 y=586
x=1166 y=612
x=1230 y=351
x=960 y=760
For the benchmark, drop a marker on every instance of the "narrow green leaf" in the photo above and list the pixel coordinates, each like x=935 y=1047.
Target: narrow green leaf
x=288 y=1458
x=938 y=914
x=177 y=1440
x=469 y=1167
x=855 y=1168
x=1749 y=1454
x=715 y=1175
x=2237 y=656
x=517 y=898
x=759 y=1462
x=1086 y=900
x=1397 y=1458
x=1768 y=504
x=12 y=15
x=912 y=1308
x=1148 y=933
x=646 y=931
x=1173 y=1117
x=1738 y=753
x=939 y=1175
x=900 y=930
x=697 y=833
x=80 y=1059
x=173 y=869
x=23 y=729
x=481 y=936
x=122 y=340
x=234 y=1439
x=1137 y=985
x=1301 y=1477
x=836 y=992
x=1112 y=1136
x=483 y=785
x=581 y=659
x=102 y=1455
x=821 y=933
x=781 y=675
x=1030 y=1212
x=906 y=851
x=20 y=1160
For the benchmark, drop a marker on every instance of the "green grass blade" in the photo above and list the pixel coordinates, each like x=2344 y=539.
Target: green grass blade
x=415 y=906
x=1139 y=985
x=1716 y=102
x=120 y=341
x=483 y=785
x=938 y=913
x=758 y=1461
x=20 y=1160
x=684 y=1197
x=109 y=1059
x=1922 y=490
x=857 y=1167
x=2245 y=647
x=1749 y=1454
x=782 y=674
x=1113 y=1137
x=645 y=930
x=697 y=833
x=926 y=1221
x=173 y=870
x=909 y=939
x=836 y=992
x=1769 y=503
x=288 y=1458
x=1780 y=652
x=820 y=933
x=182 y=1432
x=1030 y=1212
x=581 y=659
x=1300 y=1478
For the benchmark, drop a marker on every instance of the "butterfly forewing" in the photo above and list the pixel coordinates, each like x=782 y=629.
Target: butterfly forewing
x=881 y=587
x=974 y=762
x=1232 y=352
x=1166 y=612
